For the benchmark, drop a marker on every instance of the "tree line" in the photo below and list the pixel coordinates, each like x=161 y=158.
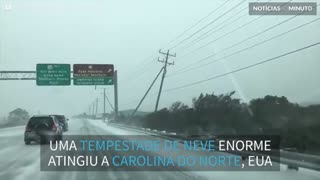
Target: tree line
x=210 y=114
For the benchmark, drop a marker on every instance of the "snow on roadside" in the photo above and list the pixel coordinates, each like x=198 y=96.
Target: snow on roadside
x=113 y=130
x=12 y=131
x=284 y=173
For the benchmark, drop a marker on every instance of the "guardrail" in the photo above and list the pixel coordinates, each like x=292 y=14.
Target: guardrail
x=292 y=159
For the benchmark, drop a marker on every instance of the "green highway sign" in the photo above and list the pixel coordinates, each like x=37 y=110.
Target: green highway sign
x=93 y=81
x=53 y=75
x=93 y=74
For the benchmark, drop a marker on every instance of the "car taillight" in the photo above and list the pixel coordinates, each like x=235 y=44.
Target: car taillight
x=54 y=127
x=28 y=129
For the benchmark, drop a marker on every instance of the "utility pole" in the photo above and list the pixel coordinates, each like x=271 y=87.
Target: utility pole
x=104 y=104
x=115 y=84
x=96 y=107
x=167 y=54
x=110 y=103
x=92 y=112
x=155 y=79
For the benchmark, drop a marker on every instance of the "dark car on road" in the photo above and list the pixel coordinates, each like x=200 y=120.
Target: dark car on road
x=63 y=122
x=42 y=128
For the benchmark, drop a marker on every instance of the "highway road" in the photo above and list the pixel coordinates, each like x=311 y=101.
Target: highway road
x=20 y=161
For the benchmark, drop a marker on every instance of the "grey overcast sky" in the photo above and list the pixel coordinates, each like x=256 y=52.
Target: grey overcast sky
x=129 y=33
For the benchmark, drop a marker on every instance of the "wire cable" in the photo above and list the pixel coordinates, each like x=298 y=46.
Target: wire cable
x=210 y=31
x=213 y=21
x=247 y=48
x=199 y=21
x=243 y=68
x=224 y=35
x=232 y=46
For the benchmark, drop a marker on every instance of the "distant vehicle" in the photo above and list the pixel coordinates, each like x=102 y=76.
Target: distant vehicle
x=42 y=128
x=63 y=122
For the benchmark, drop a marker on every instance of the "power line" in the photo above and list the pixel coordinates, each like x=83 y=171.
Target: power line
x=225 y=34
x=247 y=48
x=148 y=61
x=234 y=45
x=198 y=22
x=210 y=32
x=213 y=21
x=220 y=37
x=139 y=67
x=137 y=75
x=206 y=34
x=243 y=68
x=266 y=30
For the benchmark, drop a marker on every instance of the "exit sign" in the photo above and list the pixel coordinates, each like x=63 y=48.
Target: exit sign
x=93 y=74
x=53 y=75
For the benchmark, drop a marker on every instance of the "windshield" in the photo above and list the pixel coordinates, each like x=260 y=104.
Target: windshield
x=34 y=121
x=160 y=89
x=60 y=118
